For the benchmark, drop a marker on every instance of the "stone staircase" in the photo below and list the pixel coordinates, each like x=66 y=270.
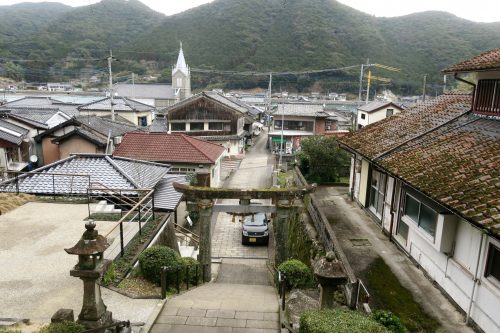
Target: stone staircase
x=185 y=248
x=103 y=207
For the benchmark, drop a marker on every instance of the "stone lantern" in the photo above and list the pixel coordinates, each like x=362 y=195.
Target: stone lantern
x=89 y=269
x=330 y=275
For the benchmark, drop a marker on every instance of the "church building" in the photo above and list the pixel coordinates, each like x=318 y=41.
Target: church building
x=161 y=95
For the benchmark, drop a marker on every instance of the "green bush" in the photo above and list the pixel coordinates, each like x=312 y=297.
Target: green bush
x=338 y=321
x=153 y=259
x=298 y=275
x=389 y=320
x=110 y=275
x=63 y=327
x=191 y=263
x=9 y=331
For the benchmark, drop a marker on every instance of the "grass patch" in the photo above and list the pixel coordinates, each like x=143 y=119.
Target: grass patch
x=388 y=293
x=139 y=286
x=285 y=179
x=10 y=201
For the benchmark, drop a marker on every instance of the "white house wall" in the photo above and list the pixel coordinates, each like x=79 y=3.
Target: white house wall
x=450 y=259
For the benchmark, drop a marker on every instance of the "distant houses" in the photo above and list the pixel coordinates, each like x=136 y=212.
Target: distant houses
x=429 y=177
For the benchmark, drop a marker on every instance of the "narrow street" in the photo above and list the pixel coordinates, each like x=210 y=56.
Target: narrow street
x=241 y=298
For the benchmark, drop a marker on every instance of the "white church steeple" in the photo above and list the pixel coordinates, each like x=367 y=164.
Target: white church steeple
x=181 y=77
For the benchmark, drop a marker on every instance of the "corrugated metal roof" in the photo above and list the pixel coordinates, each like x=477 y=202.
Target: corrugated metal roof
x=156 y=91
x=166 y=197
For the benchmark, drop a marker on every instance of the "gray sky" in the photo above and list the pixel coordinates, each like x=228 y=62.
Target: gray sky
x=477 y=10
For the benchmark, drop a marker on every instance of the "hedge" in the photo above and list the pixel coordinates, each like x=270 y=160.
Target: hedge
x=298 y=275
x=153 y=259
x=338 y=321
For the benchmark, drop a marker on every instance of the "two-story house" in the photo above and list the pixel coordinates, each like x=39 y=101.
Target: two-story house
x=375 y=111
x=211 y=117
x=429 y=176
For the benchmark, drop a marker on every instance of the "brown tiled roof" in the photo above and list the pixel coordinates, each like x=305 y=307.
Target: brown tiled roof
x=458 y=166
x=444 y=152
x=387 y=134
x=489 y=60
x=163 y=147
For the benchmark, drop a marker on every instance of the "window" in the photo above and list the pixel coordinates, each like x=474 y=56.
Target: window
x=181 y=170
x=377 y=192
x=389 y=112
x=403 y=230
x=179 y=82
x=422 y=215
x=142 y=121
x=493 y=262
x=215 y=126
x=178 y=126
x=197 y=126
x=363 y=116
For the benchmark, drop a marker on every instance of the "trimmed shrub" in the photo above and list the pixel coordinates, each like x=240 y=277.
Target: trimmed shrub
x=63 y=327
x=191 y=263
x=338 y=321
x=298 y=275
x=389 y=320
x=153 y=259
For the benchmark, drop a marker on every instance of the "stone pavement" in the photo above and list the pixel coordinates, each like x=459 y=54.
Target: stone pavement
x=226 y=241
x=241 y=299
x=232 y=305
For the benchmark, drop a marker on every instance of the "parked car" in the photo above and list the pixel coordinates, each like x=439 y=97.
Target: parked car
x=255 y=229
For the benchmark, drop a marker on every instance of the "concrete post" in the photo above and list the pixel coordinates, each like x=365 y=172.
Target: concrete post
x=284 y=211
x=205 y=255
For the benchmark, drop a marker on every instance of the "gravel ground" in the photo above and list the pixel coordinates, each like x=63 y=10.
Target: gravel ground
x=34 y=279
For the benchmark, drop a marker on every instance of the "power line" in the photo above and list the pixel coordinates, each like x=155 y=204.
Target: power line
x=250 y=73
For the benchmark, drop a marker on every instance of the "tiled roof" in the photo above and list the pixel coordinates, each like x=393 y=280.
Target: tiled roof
x=442 y=150
x=115 y=173
x=456 y=165
x=156 y=91
x=378 y=138
x=489 y=60
x=166 y=197
x=159 y=125
x=104 y=126
x=211 y=95
x=120 y=104
x=376 y=105
x=97 y=140
x=299 y=110
x=12 y=133
x=41 y=103
x=168 y=148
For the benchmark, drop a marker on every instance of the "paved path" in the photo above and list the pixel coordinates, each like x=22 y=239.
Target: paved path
x=241 y=299
x=352 y=224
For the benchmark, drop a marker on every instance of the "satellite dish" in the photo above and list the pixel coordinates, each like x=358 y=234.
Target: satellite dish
x=33 y=158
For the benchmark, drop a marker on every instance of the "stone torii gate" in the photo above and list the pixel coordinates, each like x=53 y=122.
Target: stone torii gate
x=202 y=200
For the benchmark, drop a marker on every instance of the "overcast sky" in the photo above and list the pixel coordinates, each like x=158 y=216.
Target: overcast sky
x=477 y=10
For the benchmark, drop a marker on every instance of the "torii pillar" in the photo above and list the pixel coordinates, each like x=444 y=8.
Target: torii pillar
x=205 y=255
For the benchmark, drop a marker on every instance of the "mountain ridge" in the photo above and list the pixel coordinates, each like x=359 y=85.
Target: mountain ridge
x=256 y=35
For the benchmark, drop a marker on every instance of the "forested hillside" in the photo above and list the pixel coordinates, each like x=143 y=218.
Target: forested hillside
x=244 y=35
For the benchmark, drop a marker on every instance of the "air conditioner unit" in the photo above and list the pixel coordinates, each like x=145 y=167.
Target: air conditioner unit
x=117 y=140
x=328 y=127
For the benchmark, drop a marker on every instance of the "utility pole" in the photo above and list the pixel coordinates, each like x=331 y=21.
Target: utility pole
x=282 y=127
x=110 y=59
x=423 y=88
x=368 y=86
x=269 y=98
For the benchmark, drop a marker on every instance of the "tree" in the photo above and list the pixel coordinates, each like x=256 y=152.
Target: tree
x=13 y=71
x=321 y=159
